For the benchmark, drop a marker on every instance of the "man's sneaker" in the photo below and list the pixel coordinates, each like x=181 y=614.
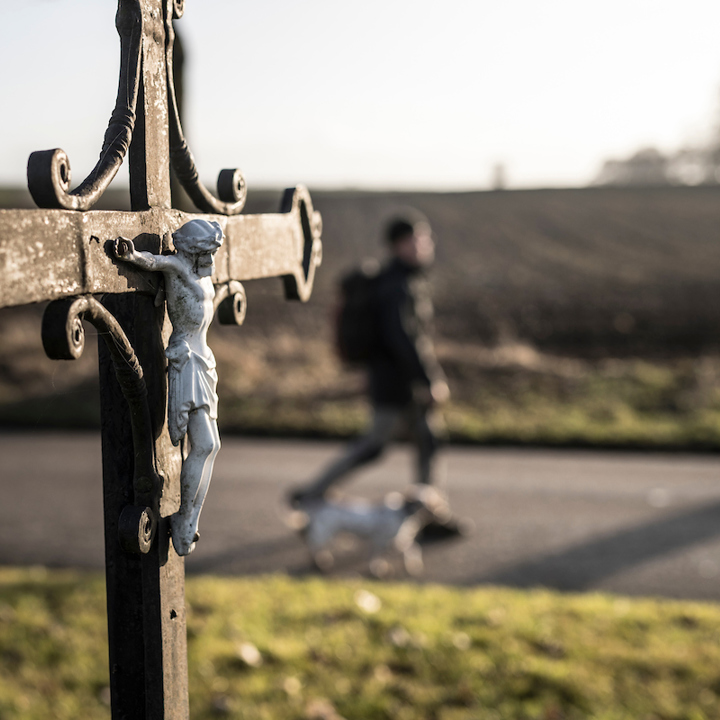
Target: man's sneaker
x=452 y=529
x=299 y=498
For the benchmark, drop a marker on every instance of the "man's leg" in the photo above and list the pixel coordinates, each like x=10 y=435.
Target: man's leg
x=385 y=422
x=426 y=427
x=429 y=431
x=195 y=477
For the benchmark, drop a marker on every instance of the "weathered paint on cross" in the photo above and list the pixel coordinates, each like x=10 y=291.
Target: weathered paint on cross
x=62 y=254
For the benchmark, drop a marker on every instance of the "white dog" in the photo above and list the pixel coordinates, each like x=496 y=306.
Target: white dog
x=388 y=528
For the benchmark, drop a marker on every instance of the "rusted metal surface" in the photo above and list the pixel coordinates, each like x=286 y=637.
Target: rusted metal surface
x=62 y=254
x=59 y=253
x=145 y=592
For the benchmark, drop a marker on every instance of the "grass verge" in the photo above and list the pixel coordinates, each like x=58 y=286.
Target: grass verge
x=276 y=647
x=521 y=397
x=288 y=384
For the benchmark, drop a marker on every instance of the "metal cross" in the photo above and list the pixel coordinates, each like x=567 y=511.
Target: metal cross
x=63 y=254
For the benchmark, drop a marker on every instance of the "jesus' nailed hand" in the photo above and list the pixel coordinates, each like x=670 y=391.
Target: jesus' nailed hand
x=192 y=378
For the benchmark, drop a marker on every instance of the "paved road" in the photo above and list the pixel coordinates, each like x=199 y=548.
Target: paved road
x=640 y=524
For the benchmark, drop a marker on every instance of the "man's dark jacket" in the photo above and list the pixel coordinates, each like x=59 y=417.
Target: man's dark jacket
x=404 y=357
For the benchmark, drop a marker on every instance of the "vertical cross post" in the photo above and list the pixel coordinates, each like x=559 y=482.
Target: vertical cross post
x=145 y=592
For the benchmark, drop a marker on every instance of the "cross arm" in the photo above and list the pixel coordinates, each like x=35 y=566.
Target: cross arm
x=286 y=244
x=51 y=254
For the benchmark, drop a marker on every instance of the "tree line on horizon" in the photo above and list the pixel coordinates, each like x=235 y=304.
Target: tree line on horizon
x=697 y=164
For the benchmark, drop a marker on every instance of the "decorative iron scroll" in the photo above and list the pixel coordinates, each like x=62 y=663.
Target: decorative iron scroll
x=298 y=286
x=231 y=186
x=63 y=338
x=230 y=303
x=48 y=171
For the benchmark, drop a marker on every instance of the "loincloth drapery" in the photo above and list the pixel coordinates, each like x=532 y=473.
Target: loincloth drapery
x=192 y=381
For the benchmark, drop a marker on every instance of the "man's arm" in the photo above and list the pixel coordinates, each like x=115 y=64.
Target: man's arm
x=404 y=344
x=124 y=249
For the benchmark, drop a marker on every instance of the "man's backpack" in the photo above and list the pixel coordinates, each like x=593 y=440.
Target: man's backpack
x=356 y=332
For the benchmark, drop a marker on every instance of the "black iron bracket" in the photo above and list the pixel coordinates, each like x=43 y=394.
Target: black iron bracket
x=63 y=338
x=230 y=303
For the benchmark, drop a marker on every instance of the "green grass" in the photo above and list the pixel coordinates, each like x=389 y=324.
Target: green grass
x=275 y=647
x=285 y=384
x=619 y=403
x=563 y=402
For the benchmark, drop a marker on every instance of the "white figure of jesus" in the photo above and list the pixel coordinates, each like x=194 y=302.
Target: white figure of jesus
x=192 y=378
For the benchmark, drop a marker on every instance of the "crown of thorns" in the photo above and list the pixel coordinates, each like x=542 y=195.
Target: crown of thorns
x=198 y=237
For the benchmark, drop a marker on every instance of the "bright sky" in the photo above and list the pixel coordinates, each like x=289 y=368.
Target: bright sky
x=427 y=94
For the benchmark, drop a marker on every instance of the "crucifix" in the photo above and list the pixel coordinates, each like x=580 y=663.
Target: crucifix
x=119 y=271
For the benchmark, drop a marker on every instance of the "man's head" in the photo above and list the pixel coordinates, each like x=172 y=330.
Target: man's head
x=410 y=240
x=200 y=240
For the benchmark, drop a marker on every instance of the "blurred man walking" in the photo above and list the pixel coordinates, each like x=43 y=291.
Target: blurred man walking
x=406 y=382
